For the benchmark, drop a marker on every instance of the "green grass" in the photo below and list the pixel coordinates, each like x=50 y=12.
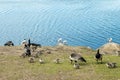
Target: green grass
x=13 y=67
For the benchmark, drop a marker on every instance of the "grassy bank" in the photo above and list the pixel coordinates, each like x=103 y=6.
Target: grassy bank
x=13 y=67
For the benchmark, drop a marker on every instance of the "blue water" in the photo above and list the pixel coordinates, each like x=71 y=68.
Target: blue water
x=80 y=22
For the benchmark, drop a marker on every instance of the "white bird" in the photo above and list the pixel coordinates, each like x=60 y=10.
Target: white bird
x=65 y=42
x=60 y=40
x=110 y=40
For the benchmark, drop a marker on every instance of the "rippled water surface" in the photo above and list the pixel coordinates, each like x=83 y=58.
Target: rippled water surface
x=80 y=22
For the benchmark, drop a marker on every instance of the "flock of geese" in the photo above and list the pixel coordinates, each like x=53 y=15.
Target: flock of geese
x=74 y=58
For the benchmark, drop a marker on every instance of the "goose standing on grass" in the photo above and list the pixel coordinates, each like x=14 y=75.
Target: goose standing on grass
x=98 y=56
x=27 y=50
x=75 y=57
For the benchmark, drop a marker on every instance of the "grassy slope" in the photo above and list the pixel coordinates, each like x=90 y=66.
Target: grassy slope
x=13 y=67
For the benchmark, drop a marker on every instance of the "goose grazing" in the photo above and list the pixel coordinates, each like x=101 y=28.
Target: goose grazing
x=98 y=56
x=41 y=61
x=111 y=65
x=75 y=57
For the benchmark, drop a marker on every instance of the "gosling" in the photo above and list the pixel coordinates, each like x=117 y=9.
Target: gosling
x=57 y=61
x=41 y=61
x=31 y=60
x=76 y=66
x=111 y=65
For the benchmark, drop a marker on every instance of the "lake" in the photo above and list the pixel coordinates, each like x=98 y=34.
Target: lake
x=80 y=22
